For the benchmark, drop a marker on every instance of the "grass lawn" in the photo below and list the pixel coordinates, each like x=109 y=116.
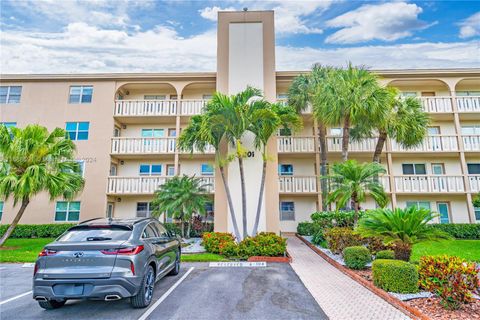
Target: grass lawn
x=467 y=249
x=27 y=250
x=23 y=250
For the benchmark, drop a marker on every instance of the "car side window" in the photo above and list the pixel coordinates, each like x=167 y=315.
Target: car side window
x=149 y=232
x=162 y=232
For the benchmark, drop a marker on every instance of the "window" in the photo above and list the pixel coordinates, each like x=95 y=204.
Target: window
x=10 y=94
x=285 y=169
x=418 y=204
x=282 y=96
x=81 y=164
x=152 y=133
x=207 y=97
x=407 y=94
x=170 y=170
x=9 y=124
x=144 y=209
x=207 y=169
x=150 y=169
x=80 y=94
x=473 y=168
x=113 y=169
x=468 y=93
x=161 y=231
x=443 y=210
x=1 y=209
x=433 y=130
x=67 y=211
x=285 y=132
x=438 y=168
x=471 y=130
x=77 y=130
x=154 y=97
x=110 y=209
x=149 y=232
x=477 y=214
x=287 y=211
x=336 y=131
x=414 y=168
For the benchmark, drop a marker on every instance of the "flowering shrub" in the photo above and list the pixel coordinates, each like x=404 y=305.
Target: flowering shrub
x=451 y=278
x=340 y=238
x=215 y=242
x=263 y=244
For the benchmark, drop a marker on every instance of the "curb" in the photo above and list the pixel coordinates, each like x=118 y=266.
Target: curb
x=286 y=259
x=400 y=305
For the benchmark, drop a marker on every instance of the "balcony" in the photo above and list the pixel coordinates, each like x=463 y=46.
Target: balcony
x=142 y=108
x=471 y=142
x=334 y=143
x=474 y=181
x=431 y=144
x=429 y=184
x=437 y=104
x=468 y=104
x=295 y=144
x=144 y=185
x=297 y=184
x=131 y=146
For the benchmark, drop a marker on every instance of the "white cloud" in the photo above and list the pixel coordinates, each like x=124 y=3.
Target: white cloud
x=291 y=17
x=387 y=22
x=470 y=27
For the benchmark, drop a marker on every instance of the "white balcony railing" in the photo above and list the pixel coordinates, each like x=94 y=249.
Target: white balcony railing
x=437 y=104
x=146 y=107
x=192 y=107
x=295 y=144
x=334 y=143
x=431 y=143
x=208 y=150
x=297 y=184
x=468 y=104
x=471 y=142
x=429 y=184
x=127 y=145
x=144 y=185
x=474 y=181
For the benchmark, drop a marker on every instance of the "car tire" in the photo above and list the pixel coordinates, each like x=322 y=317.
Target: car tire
x=144 y=296
x=51 y=304
x=176 y=268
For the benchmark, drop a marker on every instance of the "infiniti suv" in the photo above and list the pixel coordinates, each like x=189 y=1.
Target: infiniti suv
x=106 y=259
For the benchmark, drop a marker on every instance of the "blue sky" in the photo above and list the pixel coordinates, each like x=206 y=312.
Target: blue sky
x=53 y=36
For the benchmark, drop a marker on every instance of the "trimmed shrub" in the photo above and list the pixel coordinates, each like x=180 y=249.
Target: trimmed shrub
x=214 y=241
x=451 y=278
x=356 y=257
x=385 y=254
x=395 y=276
x=469 y=231
x=340 y=238
x=37 y=230
x=375 y=244
x=308 y=228
x=263 y=244
x=331 y=219
x=173 y=228
x=318 y=238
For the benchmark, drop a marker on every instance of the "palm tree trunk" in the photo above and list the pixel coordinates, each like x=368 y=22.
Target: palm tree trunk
x=402 y=251
x=260 y=197
x=244 y=197
x=356 y=208
x=382 y=137
x=345 y=138
x=183 y=228
x=6 y=235
x=322 y=141
x=188 y=229
x=230 y=204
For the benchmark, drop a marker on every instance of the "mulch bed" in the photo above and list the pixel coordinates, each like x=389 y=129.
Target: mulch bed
x=432 y=308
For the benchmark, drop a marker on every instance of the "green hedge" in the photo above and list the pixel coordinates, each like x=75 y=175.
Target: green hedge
x=460 y=230
x=395 y=276
x=308 y=228
x=385 y=254
x=37 y=230
x=330 y=219
x=356 y=257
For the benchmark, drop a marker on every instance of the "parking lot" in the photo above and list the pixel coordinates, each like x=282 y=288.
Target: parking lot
x=198 y=292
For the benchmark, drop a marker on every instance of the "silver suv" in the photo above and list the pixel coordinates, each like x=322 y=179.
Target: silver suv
x=106 y=259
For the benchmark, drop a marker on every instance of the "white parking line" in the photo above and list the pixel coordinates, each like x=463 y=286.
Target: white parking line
x=16 y=297
x=165 y=295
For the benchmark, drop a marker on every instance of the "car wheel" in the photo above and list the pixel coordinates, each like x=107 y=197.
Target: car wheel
x=51 y=304
x=176 y=268
x=145 y=294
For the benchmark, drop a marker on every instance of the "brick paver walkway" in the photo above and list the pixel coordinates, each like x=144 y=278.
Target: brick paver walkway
x=337 y=294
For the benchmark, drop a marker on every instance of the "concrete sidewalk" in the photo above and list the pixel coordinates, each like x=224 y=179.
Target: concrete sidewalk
x=339 y=296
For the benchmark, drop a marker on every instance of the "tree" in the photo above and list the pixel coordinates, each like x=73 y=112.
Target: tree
x=405 y=122
x=354 y=181
x=34 y=160
x=301 y=94
x=265 y=120
x=348 y=96
x=180 y=198
x=400 y=227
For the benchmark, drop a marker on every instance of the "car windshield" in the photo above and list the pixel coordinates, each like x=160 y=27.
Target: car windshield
x=95 y=234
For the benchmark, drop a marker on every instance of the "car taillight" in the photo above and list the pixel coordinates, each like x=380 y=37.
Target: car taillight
x=35 y=269
x=130 y=251
x=47 y=252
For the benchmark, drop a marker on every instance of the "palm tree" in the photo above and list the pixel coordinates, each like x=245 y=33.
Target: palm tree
x=346 y=97
x=301 y=94
x=400 y=227
x=354 y=181
x=34 y=160
x=265 y=120
x=180 y=198
x=208 y=129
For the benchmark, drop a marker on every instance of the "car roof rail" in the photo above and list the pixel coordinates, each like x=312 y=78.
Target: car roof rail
x=89 y=220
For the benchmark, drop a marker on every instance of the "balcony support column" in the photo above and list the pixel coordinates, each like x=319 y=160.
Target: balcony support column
x=317 y=165
x=176 y=164
x=391 y=180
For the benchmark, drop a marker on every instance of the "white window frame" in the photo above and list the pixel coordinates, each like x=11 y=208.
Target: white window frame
x=282 y=212
x=80 y=96
x=474 y=127
x=150 y=173
x=285 y=173
x=148 y=212
x=417 y=204
x=414 y=169
x=203 y=173
x=8 y=95
x=68 y=211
